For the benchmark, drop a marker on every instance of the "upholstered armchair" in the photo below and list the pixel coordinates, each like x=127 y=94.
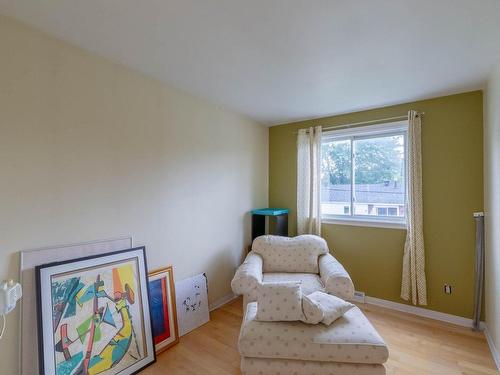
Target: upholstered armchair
x=305 y=259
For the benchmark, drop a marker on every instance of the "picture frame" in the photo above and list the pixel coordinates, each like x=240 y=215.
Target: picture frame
x=94 y=315
x=163 y=308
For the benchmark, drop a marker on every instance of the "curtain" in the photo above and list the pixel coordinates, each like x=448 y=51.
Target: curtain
x=413 y=286
x=308 y=181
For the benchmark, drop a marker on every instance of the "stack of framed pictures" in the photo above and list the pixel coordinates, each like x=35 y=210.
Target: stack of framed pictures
x=104 y=314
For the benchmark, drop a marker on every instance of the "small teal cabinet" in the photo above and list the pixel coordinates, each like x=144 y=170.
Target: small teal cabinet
x=279 y=215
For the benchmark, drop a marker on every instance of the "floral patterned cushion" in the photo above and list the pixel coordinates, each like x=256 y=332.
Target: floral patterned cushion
x=313 y=314
x=279 y=302
x=248 y=276
x=309 y=282
x=335 y=278
x=287 y=254
x=349 y=339
x=332 y=307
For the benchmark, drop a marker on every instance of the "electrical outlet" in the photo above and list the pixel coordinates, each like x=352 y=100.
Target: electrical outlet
x=359 y=297
x=10 y=293
x=447 y=289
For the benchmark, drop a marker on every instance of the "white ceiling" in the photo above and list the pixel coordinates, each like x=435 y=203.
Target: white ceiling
x=284 y=60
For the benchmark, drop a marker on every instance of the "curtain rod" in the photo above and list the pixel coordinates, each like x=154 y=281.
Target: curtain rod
x=354 y=124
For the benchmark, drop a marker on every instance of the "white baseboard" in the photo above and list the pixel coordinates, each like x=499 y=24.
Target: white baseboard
x=222 y=301
x=419 y=311
x=494 y=352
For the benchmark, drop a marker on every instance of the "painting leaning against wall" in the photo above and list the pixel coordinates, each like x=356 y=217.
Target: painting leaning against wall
x=163 y=310
x=94 y=315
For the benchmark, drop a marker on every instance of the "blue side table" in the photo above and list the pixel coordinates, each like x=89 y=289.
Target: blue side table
x=259 y=221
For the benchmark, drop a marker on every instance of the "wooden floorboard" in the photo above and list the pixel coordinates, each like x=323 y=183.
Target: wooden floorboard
x=416 y=345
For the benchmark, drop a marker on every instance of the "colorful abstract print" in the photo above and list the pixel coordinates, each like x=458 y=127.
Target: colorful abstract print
x=159 y=310
x=97 y=319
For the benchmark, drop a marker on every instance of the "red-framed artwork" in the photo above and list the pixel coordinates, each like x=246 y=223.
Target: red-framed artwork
x=163 y=309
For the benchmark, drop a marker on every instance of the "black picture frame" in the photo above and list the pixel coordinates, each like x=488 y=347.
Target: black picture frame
x=145 y=299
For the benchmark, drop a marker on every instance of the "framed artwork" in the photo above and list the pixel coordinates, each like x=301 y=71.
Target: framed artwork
x=163 y=311
x=29 y=259
x=93 y=315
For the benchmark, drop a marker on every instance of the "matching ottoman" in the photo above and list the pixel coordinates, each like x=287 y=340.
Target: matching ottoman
x=350 y=345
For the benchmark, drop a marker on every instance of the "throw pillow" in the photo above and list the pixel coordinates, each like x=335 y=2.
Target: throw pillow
x=333 y=307
x=313 y=313
x=279 y=302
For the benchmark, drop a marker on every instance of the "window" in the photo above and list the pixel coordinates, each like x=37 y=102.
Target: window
x=382 y=211
x=387 y=211
x=363 y=174
x=392 y=211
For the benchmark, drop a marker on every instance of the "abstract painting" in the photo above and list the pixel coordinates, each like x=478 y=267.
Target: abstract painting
x=163 y=311
x=94 y=315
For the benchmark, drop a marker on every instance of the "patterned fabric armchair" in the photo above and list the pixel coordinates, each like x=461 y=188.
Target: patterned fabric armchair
x=305 y=259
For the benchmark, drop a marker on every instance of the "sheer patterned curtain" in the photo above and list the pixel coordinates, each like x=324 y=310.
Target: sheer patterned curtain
x=309 y=181
x=413 y=286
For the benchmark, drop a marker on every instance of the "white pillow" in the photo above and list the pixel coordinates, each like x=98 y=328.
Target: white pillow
x=313 y=314
x=332 y=307
x=286 y=254
x=279 y=302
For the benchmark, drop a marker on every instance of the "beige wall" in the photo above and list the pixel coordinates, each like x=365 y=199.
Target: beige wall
x=92 y=150
x=452 y=152
x=492 y=204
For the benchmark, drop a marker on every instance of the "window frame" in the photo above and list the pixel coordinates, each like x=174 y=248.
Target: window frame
x=396 y=128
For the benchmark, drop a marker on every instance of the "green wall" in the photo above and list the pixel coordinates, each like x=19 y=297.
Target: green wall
x=452 y=158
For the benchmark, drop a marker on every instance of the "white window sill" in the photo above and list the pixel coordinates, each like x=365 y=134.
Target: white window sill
x=364 y=223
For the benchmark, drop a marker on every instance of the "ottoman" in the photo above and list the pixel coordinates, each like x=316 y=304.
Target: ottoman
x=350 y=345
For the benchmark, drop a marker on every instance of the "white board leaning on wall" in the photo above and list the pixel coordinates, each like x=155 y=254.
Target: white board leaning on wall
x=192 y=303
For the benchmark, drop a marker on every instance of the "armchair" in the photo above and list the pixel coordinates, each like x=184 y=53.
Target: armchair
x=305 y=259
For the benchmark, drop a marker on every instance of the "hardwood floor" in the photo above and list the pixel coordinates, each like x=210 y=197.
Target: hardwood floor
x=417 y=346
